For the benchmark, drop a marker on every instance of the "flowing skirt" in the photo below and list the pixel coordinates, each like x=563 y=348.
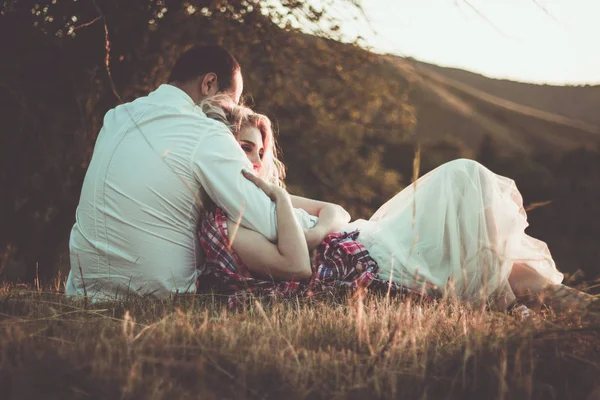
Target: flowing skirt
x=460 y=227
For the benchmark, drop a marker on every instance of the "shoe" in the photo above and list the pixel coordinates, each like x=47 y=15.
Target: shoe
x=565 y=298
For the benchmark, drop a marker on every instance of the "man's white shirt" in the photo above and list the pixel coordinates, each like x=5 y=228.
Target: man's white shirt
x=140 y=203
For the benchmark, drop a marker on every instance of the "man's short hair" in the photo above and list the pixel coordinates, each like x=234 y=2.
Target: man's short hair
x=201 y=60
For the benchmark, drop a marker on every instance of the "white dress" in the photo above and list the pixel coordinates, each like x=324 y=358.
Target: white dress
x=461 y=228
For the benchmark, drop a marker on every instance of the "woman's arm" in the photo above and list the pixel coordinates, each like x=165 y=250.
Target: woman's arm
x=314 y=207
x=289 y=259
x=332 y=218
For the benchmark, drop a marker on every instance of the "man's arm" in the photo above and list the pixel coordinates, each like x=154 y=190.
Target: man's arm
x=217 y=164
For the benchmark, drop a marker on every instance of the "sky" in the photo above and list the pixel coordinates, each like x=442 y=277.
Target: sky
x=540 y=41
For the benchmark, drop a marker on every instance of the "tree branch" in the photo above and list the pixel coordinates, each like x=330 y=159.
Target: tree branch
x=484 y=17
x=87 y=23
x=545 y=10
x=107 y=48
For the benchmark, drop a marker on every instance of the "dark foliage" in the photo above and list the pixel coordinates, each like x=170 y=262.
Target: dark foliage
x=332 y=103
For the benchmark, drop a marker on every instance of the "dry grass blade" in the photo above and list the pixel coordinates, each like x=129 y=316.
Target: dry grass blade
x=415 y=178
x=107 y=51
x=85 y=294
x=262 y=312
x=484 y=17
x=4 y=259
x=538 y=204
x=86 y=24
x=236 y=226
x=545 y=10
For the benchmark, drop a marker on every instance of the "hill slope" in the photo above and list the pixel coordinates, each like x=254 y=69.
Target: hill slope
x=578 y=102
x=468 y=106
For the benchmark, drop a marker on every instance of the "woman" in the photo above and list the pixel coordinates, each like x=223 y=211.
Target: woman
x=459 y=228
x=239 y=261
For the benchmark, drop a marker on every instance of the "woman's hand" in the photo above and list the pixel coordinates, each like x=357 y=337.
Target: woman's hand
x=273 y=191
x=335 y=216
x=332 y=218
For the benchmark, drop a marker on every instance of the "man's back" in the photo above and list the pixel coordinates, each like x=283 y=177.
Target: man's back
x=139 y=206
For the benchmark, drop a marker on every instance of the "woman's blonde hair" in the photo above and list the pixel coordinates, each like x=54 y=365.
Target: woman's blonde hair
x=236 y=117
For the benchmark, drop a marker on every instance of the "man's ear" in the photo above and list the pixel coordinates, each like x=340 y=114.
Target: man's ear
x=209 y=85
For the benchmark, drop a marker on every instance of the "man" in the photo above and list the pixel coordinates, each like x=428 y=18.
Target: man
x=135 y=228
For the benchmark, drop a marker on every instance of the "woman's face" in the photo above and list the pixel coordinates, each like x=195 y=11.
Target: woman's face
x=251 y=141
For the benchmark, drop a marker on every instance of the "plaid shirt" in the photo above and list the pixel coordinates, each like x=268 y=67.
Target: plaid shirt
x=340 y=263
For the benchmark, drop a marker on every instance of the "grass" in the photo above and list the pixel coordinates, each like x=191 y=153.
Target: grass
x=361 y=347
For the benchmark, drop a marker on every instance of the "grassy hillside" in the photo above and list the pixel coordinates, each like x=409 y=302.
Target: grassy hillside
x=578 y=102
x=469 y=107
